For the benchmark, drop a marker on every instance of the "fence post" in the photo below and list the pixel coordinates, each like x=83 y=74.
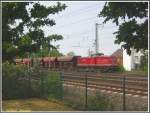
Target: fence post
x=42 y=84
x=124 y=93
x=29 y=74
x=85 y=91
x=61 y=79
x=45 y=85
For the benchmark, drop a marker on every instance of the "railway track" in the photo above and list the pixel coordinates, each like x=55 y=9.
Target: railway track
x=130 y=79
x=109 y=88
x=134 y=86
x=92 y=74
x=97 y=74
x=113 y=79
x=115 y=84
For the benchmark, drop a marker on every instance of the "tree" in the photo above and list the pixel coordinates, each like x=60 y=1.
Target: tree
x=22 y=24
x=55 y=53
x=131 y=32
x=46 y=52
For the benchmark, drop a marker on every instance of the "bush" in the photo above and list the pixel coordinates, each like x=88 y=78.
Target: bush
x=121 y=69
x=11 y=85
x=145 y=69
x=98 y=102
x=53 y=85
x=75 y=98
x=18 y=82
x=144 y=61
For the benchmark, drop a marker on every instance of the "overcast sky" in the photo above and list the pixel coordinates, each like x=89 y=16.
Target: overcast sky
x=77 y=25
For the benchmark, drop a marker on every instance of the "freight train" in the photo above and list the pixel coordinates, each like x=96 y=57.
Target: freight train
x=100 y=63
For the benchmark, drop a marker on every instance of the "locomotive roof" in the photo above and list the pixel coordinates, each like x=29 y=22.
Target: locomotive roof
x=65 y=58
x=97 y=56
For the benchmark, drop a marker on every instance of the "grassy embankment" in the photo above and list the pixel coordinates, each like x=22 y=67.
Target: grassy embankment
x=34 y=104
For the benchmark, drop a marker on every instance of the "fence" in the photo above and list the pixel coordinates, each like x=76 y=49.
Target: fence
x=83 y=90
x=34 y=81
x=121 y=84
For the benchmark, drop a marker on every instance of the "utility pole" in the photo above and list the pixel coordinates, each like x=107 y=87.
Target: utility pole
x=89 y=52
x=96 y=39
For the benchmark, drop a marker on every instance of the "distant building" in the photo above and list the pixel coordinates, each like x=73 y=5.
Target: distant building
x=131 y=61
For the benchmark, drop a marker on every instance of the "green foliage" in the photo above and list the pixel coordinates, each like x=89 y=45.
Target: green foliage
x=25 y=41
x=74 y=105
x=144 y=62
x=98 y=102
x=53 y=86
x=131 y=32
x=17 y=17
x=17 y=84
x=9 y=48
x=46 y=52
x=55 y=52
x=12 y=87
x=121 y=69
x=22 y=82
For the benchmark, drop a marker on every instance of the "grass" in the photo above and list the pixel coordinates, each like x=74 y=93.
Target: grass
x=34 y=104
x=138 y=72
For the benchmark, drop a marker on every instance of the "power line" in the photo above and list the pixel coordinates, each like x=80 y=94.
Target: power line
x=82 y=33
x=72 y=23
x=76 y=34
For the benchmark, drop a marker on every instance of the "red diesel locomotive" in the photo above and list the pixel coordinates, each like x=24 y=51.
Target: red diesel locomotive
x=102 y=63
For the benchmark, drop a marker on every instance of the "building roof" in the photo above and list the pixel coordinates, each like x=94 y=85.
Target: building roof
x=118 y=53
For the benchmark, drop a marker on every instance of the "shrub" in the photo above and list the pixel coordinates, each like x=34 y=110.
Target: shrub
x=121 y=69
x=11 y=85
x=98 y=102
x=19 y=82
x=144 y=61
x=75 y=98
x=53 y=85
x=145 y=69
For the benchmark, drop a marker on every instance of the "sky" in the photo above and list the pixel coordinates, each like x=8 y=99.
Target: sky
x=77 y=25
